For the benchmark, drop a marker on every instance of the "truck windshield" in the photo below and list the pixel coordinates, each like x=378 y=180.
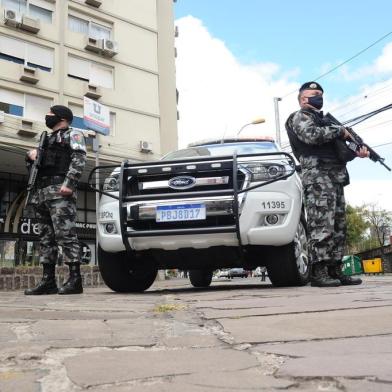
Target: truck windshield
x=223 y=149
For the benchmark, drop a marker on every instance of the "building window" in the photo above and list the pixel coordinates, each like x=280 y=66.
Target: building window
x=86 y=27
x=38 y=9
x=43 y=14
x=22 y=52
x=77 y=25
x=30 y=106
x=36 y=107
x=91 y=72
x=12 y=102
x=98 y=31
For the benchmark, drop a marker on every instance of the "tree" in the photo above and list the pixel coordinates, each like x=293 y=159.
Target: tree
x=356 y=228
x=379 y=221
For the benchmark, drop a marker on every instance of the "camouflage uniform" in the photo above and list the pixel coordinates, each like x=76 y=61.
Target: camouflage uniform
x=57 y=214
x=323 y=181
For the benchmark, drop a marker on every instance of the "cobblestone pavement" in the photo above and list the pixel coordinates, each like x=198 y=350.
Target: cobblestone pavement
x=240 y=335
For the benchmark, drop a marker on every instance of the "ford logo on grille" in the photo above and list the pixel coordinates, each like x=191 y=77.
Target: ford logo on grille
x=183 y=182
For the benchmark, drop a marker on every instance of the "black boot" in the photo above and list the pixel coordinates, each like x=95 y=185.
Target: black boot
x=320 y=278
x=335 y=272
x=74 y=283
x=48 y=283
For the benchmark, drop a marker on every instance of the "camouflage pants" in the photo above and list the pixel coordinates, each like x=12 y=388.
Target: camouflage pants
x=56 y=223
x=325 y=207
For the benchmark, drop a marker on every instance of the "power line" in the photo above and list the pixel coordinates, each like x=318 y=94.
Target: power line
x=346 y=61
x=367 y=103
x=365 y=93
x=383 y=144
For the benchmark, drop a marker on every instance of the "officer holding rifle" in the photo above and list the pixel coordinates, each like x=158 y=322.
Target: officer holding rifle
x=318 y=145
x=55 y=169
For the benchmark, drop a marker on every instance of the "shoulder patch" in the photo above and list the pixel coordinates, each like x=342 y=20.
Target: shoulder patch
x=77 y=141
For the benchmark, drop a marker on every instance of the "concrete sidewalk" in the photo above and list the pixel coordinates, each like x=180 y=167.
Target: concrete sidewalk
x=238 y=335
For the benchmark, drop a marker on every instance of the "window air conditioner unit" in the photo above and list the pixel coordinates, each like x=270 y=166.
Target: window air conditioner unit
x=93 y=45
x=92 y=91
x=109 y=47
x=94 y=3
x=145 y=146
x=12 y=18
x=29 y=74
x=30 y=24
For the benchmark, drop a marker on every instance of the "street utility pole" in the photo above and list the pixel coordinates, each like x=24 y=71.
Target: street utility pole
x=277 y=120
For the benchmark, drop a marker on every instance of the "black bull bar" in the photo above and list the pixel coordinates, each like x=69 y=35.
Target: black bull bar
x=177 y=167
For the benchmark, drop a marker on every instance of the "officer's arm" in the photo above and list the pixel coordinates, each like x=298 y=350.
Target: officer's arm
x=309 y=133
x=78 y=160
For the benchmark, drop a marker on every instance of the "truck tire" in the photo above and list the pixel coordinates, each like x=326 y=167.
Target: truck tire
x=288 y=265
x=117 y=274
x=200 y=278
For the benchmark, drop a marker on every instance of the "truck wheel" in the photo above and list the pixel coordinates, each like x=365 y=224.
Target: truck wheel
x=200 y=278
x=289 y=264
x=117 y=274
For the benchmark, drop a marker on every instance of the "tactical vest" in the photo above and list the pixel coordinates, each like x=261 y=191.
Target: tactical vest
x=323 y=151
x=57 y=155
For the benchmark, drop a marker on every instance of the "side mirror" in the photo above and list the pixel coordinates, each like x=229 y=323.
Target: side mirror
x=298 y=168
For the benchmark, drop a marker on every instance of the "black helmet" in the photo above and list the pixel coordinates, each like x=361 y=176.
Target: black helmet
x=62 y=112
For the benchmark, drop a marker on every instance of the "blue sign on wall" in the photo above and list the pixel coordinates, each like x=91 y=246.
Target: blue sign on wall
x=96 y=116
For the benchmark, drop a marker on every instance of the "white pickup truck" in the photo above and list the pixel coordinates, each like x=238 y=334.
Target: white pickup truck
x=219 y=204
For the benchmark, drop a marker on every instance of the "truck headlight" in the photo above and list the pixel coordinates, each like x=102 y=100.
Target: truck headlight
x=265 y=171
x=111 y=183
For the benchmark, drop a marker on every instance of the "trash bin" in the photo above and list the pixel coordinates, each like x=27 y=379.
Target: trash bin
x=373 y=266
x=352 y=265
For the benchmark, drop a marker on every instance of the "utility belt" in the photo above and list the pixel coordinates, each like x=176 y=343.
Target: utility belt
x=43 y=182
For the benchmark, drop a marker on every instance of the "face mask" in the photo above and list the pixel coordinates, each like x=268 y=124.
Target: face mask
x=316 y=101
x=51 y=121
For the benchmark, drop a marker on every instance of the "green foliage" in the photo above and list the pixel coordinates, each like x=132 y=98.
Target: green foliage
x=368 y=227
x=356 y=228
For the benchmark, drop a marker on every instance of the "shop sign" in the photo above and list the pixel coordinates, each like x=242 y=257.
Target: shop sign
x=96 y=116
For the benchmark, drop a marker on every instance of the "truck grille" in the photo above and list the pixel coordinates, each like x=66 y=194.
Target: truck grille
x=205 y=179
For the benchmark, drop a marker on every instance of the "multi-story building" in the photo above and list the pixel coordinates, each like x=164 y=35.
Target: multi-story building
x=119 y=52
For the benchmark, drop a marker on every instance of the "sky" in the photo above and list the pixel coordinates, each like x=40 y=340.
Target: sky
x=234 y=57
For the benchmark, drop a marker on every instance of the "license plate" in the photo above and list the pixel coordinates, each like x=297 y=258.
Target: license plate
x=180 y=212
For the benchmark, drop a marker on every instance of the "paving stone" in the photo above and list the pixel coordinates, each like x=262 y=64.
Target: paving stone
x=293 y=304
x=250 y=379
x=6 y=333
x=196 y=341
x=120 y=342
x=52 y=330
x=366 y=365
x=334 y=348
x=365 y=385
x=245 y=380
x=91 y=369
x=310 y=326
x=24 y=381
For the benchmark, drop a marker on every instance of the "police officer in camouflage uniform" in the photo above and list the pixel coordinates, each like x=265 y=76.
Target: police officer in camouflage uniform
x=54 y=201
x=324 y=175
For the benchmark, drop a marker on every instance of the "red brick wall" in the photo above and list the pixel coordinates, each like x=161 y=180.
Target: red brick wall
x=19 y=278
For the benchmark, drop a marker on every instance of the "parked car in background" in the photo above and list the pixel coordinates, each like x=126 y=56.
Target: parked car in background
x=237 y=273
x=223 y=273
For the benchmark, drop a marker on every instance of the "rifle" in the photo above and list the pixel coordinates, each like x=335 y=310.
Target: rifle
x=35 y=166
x=356 y=142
